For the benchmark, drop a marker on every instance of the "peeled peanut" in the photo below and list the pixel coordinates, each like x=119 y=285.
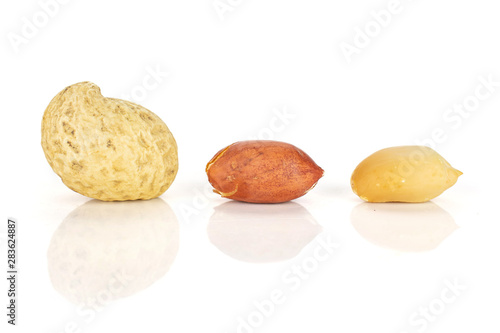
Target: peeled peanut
x=106 y=148
x=403 y=174
x=262 y=171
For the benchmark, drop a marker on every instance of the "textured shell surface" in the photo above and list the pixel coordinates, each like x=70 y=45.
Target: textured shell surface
x=106 y=148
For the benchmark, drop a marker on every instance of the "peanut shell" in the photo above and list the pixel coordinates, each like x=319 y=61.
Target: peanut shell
x=106 y=148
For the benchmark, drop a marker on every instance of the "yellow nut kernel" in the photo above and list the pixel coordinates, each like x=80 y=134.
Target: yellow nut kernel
x=403 y=174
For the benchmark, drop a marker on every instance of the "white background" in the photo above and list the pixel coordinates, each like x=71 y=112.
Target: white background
x=228 y=77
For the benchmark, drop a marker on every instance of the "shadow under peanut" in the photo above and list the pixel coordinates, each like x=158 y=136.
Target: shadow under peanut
x=407 y=227
x=261 y=233
x=104 y=251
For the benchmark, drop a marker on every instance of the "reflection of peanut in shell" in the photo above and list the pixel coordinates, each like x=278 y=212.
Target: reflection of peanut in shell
x=109 y=250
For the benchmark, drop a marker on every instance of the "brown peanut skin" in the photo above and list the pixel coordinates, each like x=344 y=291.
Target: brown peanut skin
x=262 y=171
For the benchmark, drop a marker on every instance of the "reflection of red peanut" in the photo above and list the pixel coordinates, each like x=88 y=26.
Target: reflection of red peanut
x=262 y=171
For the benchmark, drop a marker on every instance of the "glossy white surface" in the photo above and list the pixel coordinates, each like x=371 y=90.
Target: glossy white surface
x=191 y=261
x=122 y=266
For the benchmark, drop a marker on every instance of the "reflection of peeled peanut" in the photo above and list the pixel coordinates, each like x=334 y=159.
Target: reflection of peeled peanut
x=106 y=148
x=261 y=233
x=262 y=171
x=403 y=174
x=408 y=227
x=103 y=251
